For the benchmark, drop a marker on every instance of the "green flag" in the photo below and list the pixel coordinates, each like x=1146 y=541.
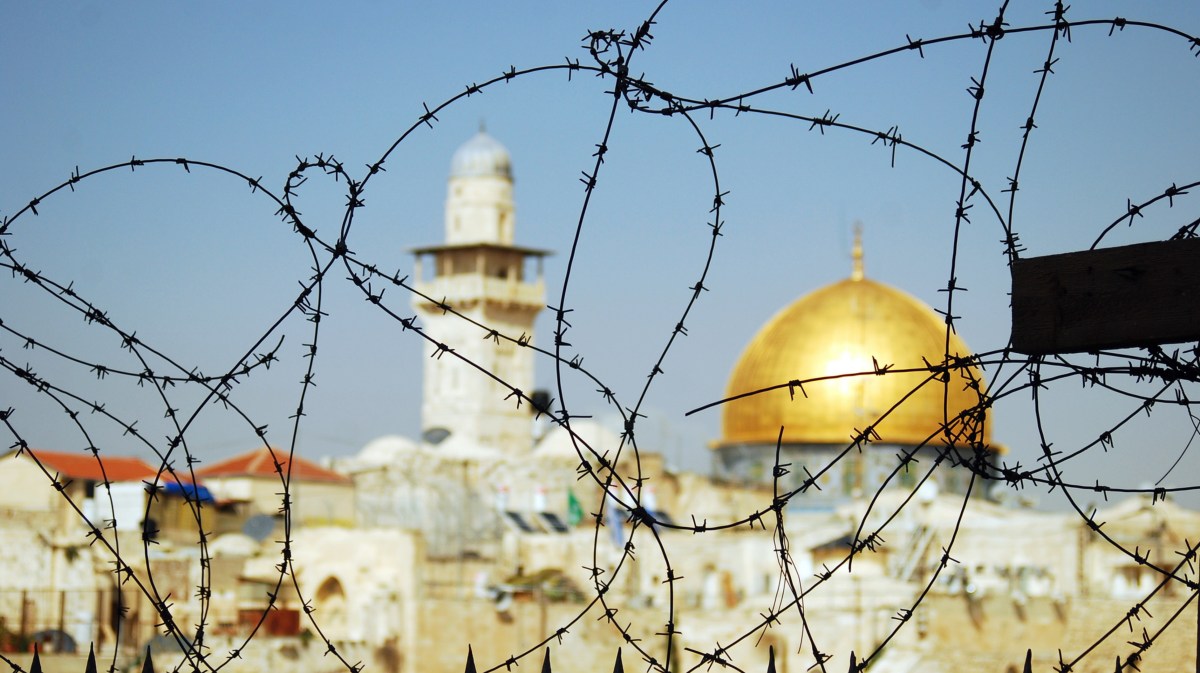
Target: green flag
x=574 y=509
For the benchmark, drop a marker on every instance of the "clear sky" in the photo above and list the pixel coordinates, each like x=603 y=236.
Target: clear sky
x=200 y=267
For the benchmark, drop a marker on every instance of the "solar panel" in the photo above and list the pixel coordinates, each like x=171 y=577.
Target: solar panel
x=553 y=522
x=517 y=521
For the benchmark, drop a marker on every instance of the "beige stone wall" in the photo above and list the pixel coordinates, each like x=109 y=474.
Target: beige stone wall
x=45 y=585
x=323 y=504
x=24 y=487
x=313 y=503
x=989 y=635
x=953 y=635
x=994 y=632
x=589 y=645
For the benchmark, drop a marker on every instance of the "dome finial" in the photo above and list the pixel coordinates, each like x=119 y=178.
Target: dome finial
x=856 y=271
x=482 y=125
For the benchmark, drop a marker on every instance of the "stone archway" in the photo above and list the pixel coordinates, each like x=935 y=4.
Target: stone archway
x=329 y=604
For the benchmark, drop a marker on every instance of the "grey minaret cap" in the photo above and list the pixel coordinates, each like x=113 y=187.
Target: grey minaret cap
x=481 y=156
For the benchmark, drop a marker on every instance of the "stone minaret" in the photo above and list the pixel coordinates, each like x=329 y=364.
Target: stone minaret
x=481 y=275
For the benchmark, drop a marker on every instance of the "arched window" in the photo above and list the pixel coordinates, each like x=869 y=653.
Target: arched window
x=330 y=607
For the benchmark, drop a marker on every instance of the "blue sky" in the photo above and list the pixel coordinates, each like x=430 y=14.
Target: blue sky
x=200 y=267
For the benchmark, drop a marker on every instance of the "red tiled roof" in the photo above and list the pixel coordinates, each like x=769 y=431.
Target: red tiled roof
x=85 y=466
x=261 y=463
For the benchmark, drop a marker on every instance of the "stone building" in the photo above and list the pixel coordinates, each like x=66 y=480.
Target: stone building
x=57 y=585
x=249 y=484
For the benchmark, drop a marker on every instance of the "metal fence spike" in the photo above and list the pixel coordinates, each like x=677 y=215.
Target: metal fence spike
x=546 y=662
x=148 y=664
x=1028 y=662
x=470 y=660
x=771 y=659
x=36 y=665
x=91 y=662
x=618 y=667
x=853 y=662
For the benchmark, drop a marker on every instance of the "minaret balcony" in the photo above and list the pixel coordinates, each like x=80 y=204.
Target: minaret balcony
x=470 y=289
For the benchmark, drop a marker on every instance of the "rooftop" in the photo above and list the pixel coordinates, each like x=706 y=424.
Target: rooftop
x=100 y=468
x=270 y=462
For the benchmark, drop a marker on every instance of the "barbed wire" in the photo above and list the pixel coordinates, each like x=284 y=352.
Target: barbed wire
x=1148 y=380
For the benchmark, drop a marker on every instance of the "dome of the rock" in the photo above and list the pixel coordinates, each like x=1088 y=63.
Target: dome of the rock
x=857 y=358
x=848 y=328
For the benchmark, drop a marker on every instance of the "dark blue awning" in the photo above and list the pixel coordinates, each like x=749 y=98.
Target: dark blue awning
x=193 y=491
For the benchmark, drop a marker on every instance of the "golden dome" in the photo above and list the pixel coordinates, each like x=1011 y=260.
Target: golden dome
x=837 y=330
